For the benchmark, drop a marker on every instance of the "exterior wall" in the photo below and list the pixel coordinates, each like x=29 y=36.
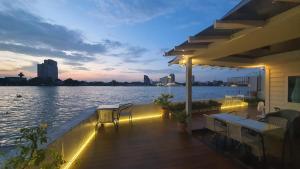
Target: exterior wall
x=278 y=85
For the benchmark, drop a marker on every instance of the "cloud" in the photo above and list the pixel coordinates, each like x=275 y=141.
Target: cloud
x=81 y=68
x=18 y=26
x=142 y=61
x=132 y=11
x=44 y=52
x=109 y=69
x=25 y=33
x=158 y=71
x=130 y=52
x=188 y=25
x=117 y=12
x=73 y=63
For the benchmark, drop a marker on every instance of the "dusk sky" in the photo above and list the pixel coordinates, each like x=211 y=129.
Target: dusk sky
x=105 y=39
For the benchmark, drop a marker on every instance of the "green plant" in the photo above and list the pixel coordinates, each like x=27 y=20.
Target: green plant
x=180 y=116
x=196 y=105
x=30 y=152
x=164 y=100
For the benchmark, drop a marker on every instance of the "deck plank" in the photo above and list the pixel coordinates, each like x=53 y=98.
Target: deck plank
x=149 y=144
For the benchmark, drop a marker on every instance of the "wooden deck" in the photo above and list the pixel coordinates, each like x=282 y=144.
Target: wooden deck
x=149 y=144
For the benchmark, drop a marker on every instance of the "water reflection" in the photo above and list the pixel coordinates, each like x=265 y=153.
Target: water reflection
x=57 y=105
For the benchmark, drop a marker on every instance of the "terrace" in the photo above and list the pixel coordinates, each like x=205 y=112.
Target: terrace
x=149 y=142
x=256 y=33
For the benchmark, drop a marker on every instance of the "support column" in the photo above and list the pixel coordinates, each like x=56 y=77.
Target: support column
x=188 y=86
x=267 y=89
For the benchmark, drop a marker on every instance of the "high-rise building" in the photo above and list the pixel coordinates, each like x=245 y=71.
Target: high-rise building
x=164 y=80
x=167 y=79
x=243 y=80
x=147 y=80
x=193 y=79
x=48 y=70
x=171 y=78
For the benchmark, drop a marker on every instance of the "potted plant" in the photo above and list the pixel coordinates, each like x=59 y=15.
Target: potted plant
x=181 y=117
x=164 y=101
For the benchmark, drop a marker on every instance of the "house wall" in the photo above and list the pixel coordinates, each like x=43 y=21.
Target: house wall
x=277 y=80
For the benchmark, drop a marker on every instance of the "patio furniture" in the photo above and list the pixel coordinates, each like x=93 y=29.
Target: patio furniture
x=252 y=131
x=108 y=114
x=220 y=127
x=234 y=132
x=261 y=110
x=209 y=122
x=292 y=134
x=126 y=110
x=255 y=141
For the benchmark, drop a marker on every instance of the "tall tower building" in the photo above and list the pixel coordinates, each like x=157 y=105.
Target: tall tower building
x=47 y=70
x=147 y=80
x=172 y=78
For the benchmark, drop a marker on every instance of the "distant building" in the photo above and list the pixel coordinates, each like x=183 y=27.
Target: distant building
x=167 y=80
x=255 y=83
x=193 y=79
x=242 y=81
x=147 y=80
x=171 y=78
x=15 y=79
x=47 y=70
x=164 y=80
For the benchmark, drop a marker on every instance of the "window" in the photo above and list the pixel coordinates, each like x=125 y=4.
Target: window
x=294 y=89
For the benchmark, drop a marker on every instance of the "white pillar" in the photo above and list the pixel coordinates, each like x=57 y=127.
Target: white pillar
x=267 y=89
x=188 y=86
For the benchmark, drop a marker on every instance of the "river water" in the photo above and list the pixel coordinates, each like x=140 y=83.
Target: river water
x=58 y=105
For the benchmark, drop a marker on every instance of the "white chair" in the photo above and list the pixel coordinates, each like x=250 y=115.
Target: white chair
x=209 y=122
x=254 y=141
x=234 y=132
x=220 y=127
x=126 y=110
x=261 y=110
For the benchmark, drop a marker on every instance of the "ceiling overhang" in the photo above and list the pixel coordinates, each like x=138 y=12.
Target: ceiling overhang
x=252 y=30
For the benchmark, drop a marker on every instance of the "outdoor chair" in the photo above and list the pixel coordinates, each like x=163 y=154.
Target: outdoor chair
x=235 y=135
x=221 y=131
x=209 y=122
x=126 y=110
x=291 y=148
x=278 y=136
x=220 y=127
x=216 y=126
x=234 y=132
x=254 y=140
x=261 y=110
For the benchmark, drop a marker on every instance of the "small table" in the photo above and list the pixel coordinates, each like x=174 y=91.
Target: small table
x=108 y=114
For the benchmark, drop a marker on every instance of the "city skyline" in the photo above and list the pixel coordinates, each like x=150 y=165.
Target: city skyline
x=91 y=42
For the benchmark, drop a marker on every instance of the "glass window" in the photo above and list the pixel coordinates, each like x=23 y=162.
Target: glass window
x=294 y=89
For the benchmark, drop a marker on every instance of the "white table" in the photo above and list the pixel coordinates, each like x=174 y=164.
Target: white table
x=108 y=106
x=227 y=117
x=257 y=126
x=107 y=113
x=260 y=127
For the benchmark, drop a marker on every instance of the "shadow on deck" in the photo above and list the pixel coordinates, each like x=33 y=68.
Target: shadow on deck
x=150 y=143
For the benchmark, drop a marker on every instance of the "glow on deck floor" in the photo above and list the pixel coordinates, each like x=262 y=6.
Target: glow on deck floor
x=88 y=140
